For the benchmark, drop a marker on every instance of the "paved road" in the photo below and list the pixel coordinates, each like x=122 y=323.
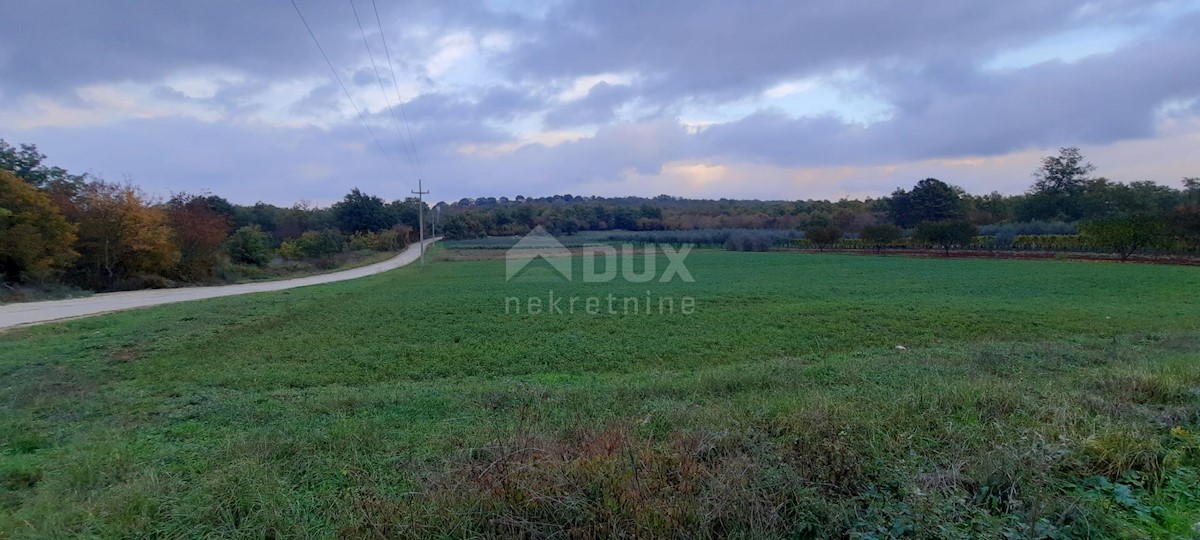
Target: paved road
x=29 y=313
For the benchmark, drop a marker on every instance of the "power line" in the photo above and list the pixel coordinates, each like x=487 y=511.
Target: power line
x=379 y=78
x=347 y=92
x=396 y=85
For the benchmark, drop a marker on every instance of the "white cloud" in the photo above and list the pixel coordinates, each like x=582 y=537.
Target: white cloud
x=788 y=88
x=582 y=85
x=548 y=139
x=202 y=84
x=451 y=50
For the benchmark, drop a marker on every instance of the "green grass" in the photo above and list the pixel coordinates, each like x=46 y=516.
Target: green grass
x=1033 y=398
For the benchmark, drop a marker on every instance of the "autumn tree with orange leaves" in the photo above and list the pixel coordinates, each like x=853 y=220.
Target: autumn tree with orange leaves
x=123 y=238
x=200 y=229
x=35 y=238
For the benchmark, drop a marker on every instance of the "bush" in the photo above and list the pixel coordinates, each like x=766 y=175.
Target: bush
x=361 y=242
x=138 y=282
x=312 y=245
x=1184 y=223
x=946 y=234
x=881 y=235
x=390 y=240
x=823 y=236
x=1127 y=234
x=743 y=241
x=1005 y=234
x=249 y=245
x=1051 y=242
x=37 y=292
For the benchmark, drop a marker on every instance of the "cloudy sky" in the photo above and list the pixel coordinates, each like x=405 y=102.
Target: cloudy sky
x=700 y=98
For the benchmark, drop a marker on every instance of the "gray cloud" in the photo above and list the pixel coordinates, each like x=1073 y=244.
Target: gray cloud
x=924 y=60
x=961 y=111
x=64 y=44
x=597 y=107
x=720 y=50
x=54 y=46
x=493 y=103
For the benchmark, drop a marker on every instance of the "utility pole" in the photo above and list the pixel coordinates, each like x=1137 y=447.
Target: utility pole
x=421 y=217
x=437 y=216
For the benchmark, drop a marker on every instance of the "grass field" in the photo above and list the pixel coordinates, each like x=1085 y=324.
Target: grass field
x=1031 y=399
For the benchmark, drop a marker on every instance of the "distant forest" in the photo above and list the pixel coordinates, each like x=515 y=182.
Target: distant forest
x=1063 y=191
x=61 y=227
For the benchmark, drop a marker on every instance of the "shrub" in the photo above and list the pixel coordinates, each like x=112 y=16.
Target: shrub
x=745 y=241
x=1184 y=223
x=389 y=240
x=249 y=245
x=1125 y=235
x=312 y=245
x=1051 y=242
x=823 y=236
x=361 y=242
x=1005 y=234
x=37 y=292
x=946 y=234
x=881 y=234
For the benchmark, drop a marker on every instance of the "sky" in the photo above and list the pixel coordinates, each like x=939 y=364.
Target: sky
x=819 y=99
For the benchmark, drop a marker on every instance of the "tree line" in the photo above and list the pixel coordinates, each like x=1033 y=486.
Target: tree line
x=56 y=226
x=62 y=227
x=1123 y=217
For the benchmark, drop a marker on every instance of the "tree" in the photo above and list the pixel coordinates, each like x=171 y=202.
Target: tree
x=249 y=245
x=823 y=235
x=1125 y=234
x=26 y=163
x=405 y=212
x=458 y=227
x=881 y=234
x=1059 y=187
x=359 y=212
x=121 y=234
x=991 y=208
x=218 y=205
x=302 y=216
x=261 y=214
x=930 y=200
x=35 y=238
x=946 y=234
x=200 y=230
x=1184 y=224
x=1065 y=173
x=1191 y=190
